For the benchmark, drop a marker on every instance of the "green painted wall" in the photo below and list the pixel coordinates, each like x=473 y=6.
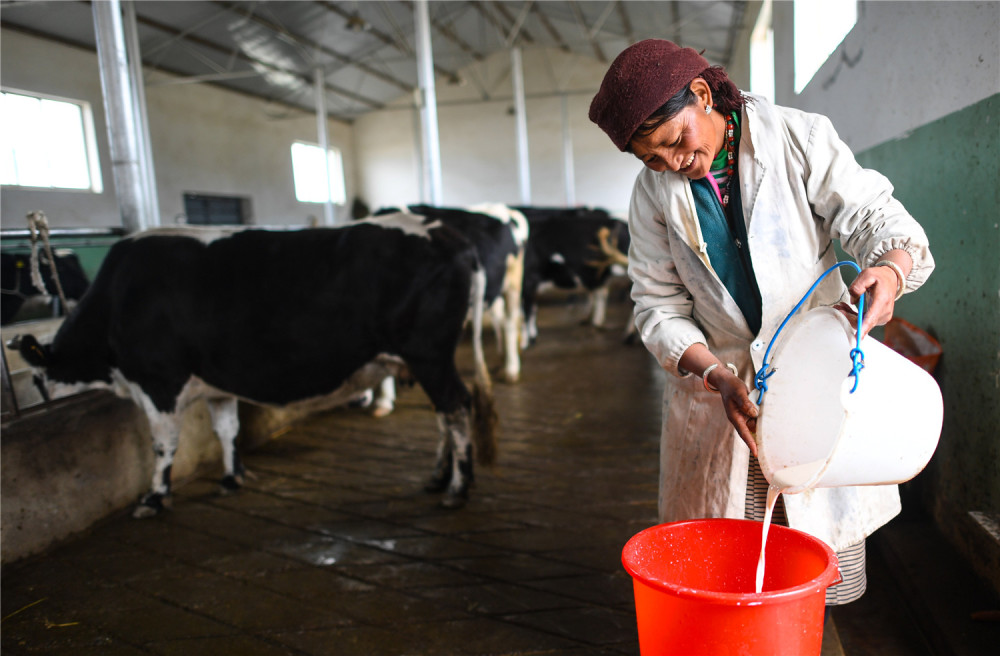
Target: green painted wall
x=90 y=250
x=947 y=174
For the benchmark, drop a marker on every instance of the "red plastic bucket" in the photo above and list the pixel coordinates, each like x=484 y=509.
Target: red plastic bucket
x=694 y=589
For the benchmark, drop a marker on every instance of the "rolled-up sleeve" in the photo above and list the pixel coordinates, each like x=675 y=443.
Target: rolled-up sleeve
x=858 y=207
x=663 y=305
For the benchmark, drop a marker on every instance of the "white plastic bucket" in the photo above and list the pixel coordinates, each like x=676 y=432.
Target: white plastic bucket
x=884 y=432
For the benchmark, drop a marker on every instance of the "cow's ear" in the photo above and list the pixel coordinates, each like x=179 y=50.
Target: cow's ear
x=34 y=353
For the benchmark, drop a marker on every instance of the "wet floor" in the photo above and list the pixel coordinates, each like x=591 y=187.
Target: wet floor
x=333 y=547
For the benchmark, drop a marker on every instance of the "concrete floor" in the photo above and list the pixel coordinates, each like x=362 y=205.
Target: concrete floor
x=333 y=548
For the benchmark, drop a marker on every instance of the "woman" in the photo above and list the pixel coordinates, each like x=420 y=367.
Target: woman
x=732 y=220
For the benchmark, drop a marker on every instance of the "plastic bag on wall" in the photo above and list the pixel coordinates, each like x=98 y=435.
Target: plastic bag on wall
x=912 y=343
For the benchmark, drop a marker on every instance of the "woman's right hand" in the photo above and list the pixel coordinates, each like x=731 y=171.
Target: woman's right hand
x=741 y=411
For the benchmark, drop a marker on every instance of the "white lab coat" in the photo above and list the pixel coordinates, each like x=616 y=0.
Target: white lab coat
x=801 y=189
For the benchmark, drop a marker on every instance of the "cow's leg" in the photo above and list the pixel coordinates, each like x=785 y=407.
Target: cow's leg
x=476 y=302
x=512 y=346
x=165 y=428
x=600 y=306
x=453 y=470
x=512 y=318
x=529 y=332
x=529 y=311
x=226 y=423
x=443 y=464
x=497 y=313
x=385 y=398
x=455 y=433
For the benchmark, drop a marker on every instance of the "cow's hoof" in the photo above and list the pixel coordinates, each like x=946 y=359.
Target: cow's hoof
x=381 y=411
x=152 y=505
x=511 y=376
x=230 y=484
x=143 y=512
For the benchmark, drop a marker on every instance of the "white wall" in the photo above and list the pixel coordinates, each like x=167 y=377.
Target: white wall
x=478 y=139
x=204 y=140
x=903 y=65
x=217 y=142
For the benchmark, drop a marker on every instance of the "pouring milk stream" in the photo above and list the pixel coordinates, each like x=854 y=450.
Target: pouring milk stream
x=798 y=476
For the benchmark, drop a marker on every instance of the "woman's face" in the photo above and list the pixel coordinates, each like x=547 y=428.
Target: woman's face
x=686 y=144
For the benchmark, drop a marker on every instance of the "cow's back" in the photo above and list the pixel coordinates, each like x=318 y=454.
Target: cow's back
x=565 y=244
x=495 y=241
x=278 y=316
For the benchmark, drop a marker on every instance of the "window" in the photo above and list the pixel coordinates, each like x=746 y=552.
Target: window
x=47 y=143
x=308 y=170
x=202 y=209
x=819 y=29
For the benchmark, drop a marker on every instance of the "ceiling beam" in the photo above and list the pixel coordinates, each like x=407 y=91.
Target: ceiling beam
x=401 y=41
x=514 y=31
x=693 y=12
x=581 y=19
x=335 y=8
x=313 y=45
x=626 y=22
x=489 y=12
x=385 y=38
x=549 y=27
x=212 y=45
x=198 y=79
x=165 y=44
x=180 y=75
x=449 y=33
x=518 y=22
x=595 y=29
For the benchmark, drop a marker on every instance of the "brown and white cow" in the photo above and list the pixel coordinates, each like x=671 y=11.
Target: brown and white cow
x=499 y=234
x=573 y=248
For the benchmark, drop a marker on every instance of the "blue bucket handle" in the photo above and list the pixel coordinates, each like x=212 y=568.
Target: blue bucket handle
x=857 y=355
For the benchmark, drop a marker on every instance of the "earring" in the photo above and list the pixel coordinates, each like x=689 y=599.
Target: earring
x=708 y=109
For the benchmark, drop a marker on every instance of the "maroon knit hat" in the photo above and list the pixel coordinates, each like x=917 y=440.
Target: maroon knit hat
x=641 y=79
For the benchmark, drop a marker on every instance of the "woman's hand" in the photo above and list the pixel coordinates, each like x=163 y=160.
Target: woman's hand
x=741 y=411
x=880 y=285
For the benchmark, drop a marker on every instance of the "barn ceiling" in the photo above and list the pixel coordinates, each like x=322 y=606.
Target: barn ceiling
x=366 y=49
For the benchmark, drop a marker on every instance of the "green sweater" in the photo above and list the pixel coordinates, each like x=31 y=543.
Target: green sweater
x=727 y=244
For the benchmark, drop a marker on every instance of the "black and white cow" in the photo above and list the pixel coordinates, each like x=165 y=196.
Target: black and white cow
x=572 y=248
x=499 y=234
x=279 y=318
x=18 y=287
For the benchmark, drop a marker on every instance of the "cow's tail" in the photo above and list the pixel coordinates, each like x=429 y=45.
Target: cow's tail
x=484 y=414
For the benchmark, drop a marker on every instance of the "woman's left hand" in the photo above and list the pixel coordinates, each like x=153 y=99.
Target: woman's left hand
x=741 y=411
x=879 y=284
